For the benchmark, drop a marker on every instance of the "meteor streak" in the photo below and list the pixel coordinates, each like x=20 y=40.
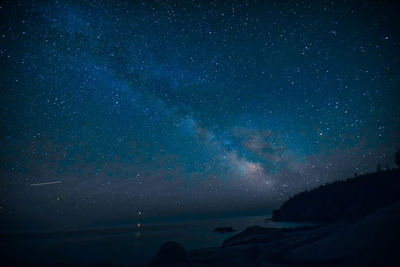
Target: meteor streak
x=55 y=182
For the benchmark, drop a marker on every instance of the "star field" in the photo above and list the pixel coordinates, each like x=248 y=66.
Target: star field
x=176 y=108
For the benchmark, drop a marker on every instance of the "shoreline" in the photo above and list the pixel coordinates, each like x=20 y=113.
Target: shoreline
x=337 y=243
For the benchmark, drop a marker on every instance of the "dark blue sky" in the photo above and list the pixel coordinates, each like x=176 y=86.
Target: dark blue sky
x=180 y=109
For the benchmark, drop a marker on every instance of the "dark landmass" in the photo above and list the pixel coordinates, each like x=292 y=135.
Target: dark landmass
x=368 y=241
x=359 y=226
x=351 y=198
x=224 y=229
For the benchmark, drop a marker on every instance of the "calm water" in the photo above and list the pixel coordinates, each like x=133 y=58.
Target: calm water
x=130 y=245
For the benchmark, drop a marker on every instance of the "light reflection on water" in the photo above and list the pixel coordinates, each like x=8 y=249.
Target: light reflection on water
x=125 y=245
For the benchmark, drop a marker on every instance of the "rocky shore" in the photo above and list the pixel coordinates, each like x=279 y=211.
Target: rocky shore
x=358 y=219
x=372 y=240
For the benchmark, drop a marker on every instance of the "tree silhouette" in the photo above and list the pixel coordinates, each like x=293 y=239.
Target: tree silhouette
x=350 y=198
x=378 y=167
x=398 y=158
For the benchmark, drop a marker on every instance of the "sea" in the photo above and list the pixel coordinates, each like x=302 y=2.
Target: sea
x=125 y=245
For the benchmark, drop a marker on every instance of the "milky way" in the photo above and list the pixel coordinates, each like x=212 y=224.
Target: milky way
x=166 y=110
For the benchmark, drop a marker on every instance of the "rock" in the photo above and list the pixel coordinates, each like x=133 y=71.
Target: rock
x=253 y=234
x=368 y=241
x=224 y=229
x=170 y=254
x=372 y=241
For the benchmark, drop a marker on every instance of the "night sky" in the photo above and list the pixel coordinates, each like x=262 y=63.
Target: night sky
x=158 y=110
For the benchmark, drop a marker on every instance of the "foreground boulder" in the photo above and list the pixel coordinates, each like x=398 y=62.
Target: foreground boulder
x=170 y=254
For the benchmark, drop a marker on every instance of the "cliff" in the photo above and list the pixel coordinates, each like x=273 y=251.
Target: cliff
x=351 y=198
